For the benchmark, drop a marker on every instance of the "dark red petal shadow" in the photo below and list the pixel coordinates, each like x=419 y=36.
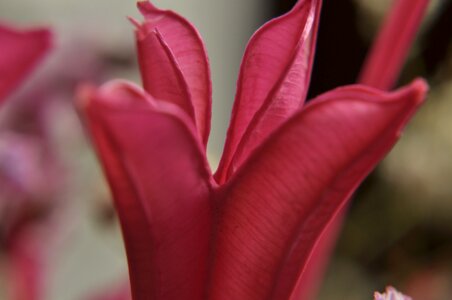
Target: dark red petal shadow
x=279 y=202
x=161 y=185
x=273 y=81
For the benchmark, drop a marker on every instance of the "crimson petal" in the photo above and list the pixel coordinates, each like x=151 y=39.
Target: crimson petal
x=273 y=81
x=20 y=52
x=388 y=54
x=161 y=186
x=278 y=203
x=27 y=272
x=162 y=76
x=310 y=280
x=188 y=58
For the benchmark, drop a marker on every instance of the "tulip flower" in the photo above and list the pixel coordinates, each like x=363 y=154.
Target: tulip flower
x=20 y=52
x=253 y=230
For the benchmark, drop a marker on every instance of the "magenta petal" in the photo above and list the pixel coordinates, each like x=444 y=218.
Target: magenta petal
x=19 y=53
x=278 y=203
x=27 y=269
x=310 y=280
x=189 y=57
x=161 y=186
x=162 y=76
x=273 y=81
x=388 y=54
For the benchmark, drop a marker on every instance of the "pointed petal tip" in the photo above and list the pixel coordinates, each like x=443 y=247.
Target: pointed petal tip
x=42 y=35
x=134 y=22
x=391 y=47
x=271 y=87
x=22 y=50
x=420 y=85
x=46 y=35
x=418 y=88
x=46 y=39
x=174 y=64
x=146 y=7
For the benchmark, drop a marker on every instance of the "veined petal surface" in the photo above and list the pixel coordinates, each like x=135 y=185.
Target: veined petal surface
x=162 y=75
x=190 y=60
x=161 y=186
x=279 y=202
x=310 y=280
x=273 y=81
x=19 y=53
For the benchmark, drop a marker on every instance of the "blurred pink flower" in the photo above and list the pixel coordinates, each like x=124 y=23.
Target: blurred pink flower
x=21 y=51
x=258 y=228
x=33 y=182
x=30 y=180
x=21 y=170
x=391 y=294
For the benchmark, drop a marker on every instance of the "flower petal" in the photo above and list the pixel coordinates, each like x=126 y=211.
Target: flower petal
x=273 y=81
x=27 y=268
x=391 y=294
x=161 y=184
x=309 y=282
x=391 y=47
x=184 y=43
x=20 y=51
x=162 y=76
x=278 y=203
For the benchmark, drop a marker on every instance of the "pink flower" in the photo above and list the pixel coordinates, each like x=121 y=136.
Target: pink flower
x=30 y=182
x=263 y=225
x=21 y=171
x=20 y=52
x=391 y=294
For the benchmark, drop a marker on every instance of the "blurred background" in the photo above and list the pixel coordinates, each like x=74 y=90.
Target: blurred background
x=399 y=227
